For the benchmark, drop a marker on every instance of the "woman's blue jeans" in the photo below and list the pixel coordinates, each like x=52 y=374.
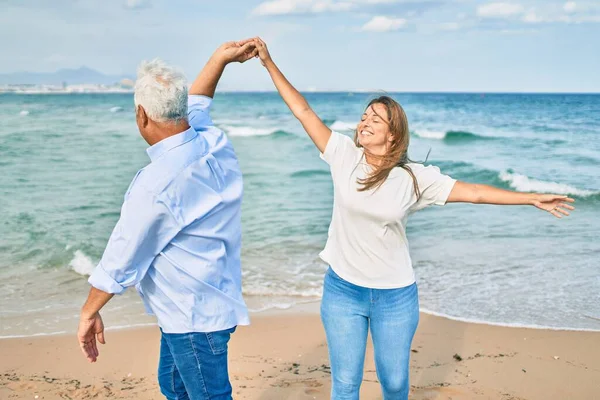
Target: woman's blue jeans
x=347 y=312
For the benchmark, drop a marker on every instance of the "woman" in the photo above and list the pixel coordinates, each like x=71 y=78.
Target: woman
x=370 y=282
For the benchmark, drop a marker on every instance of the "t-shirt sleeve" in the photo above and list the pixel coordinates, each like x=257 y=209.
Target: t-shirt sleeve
x=339 y=148
x=434 y=186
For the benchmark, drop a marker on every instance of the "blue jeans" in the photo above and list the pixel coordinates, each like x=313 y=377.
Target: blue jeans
x=347 y=311
x=194 y=366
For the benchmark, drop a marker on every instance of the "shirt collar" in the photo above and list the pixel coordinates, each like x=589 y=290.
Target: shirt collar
x=157 y=150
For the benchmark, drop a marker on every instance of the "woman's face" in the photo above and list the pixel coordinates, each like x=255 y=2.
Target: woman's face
x=373 y=129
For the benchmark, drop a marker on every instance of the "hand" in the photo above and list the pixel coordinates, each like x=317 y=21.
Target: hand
x=263 y=52
x=555 y=204
x=236 y=51
x=89 y=327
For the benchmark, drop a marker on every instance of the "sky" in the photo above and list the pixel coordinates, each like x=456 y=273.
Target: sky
x=324 y=45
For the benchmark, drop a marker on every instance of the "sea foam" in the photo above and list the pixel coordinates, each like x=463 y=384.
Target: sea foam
x=81 y=263
x=343 y=126
x=245 y=131
x=524 y=183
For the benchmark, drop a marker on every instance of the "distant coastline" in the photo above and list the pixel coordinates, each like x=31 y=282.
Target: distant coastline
x=119 y=88
x=66 y=89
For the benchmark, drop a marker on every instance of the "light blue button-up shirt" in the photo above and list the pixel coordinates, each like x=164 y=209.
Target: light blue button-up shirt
x=178 y=239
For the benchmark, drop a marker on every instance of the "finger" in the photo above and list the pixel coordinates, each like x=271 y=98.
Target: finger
x=253 y=54
x=555 y=213
x=248 y=46
x=243 y=42
x=87 y=351
x=82 y=347
x=561 y=197
x=101 y=337
x=564 y=212
x=568 y=207
x=95 y=349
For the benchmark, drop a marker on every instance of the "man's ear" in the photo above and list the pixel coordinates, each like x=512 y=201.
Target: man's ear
x=141 y=116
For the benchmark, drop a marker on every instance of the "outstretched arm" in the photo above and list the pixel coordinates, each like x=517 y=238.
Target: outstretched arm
x=206 y=82
x=316 y=129
x=555 y=204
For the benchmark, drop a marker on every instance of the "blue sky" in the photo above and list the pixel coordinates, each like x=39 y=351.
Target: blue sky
x=391 y=45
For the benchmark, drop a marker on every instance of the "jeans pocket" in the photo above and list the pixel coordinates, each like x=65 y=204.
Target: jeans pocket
x=218 y=340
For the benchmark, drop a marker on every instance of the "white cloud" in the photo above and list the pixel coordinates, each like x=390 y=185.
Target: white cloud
x=295 y=7
x=288 y=7
x=578 y=19
x=384 y=24
x=380 y=1
x=532 y=18
x=449 y=26
x=570 y=6
x=499 y=10
x=574 y=17
x=518 y=31
x=134 y=4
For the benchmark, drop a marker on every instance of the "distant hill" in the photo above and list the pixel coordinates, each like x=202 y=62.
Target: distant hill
x=70 y=76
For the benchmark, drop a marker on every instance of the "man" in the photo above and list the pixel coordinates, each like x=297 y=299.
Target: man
x=179 y=235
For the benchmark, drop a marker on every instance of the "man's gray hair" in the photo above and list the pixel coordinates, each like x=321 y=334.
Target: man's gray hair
x=162 y=91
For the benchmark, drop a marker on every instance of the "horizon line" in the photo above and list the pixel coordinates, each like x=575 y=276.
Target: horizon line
x=337 y=91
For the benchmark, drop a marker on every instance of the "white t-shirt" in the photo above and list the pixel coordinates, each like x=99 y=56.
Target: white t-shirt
x=367 y=243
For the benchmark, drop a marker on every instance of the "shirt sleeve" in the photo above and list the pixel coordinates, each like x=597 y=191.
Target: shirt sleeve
x=339 y=148
x=199 y=112
x=145 y=227
x=434 y=186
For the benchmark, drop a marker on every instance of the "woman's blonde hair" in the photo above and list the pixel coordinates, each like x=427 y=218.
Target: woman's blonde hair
x=397 y=151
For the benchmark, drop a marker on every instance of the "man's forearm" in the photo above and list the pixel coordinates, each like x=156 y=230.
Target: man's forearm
x=95 y=301
x=207 y=80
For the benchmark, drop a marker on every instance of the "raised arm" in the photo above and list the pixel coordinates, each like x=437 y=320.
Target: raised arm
x=555 y=204
x=316 y=129
x=207 y=80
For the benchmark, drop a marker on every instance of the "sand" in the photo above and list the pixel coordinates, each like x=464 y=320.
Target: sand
x=284 y=356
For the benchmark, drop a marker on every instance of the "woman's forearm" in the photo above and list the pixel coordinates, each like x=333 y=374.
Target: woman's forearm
x=291 y=96
x=312 y=124
x=556 y=204
x=492 y=195
x=485 y=194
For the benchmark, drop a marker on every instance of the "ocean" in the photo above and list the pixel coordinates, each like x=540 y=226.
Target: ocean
x=67 y=159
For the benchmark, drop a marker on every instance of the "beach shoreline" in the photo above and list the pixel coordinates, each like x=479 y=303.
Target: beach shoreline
x=283 y=355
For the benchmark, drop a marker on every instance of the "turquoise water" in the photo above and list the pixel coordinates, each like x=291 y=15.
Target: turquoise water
x=66 y=160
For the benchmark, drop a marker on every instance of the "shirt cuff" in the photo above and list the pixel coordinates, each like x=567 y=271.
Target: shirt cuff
x=102 y=281
x=199 y=100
